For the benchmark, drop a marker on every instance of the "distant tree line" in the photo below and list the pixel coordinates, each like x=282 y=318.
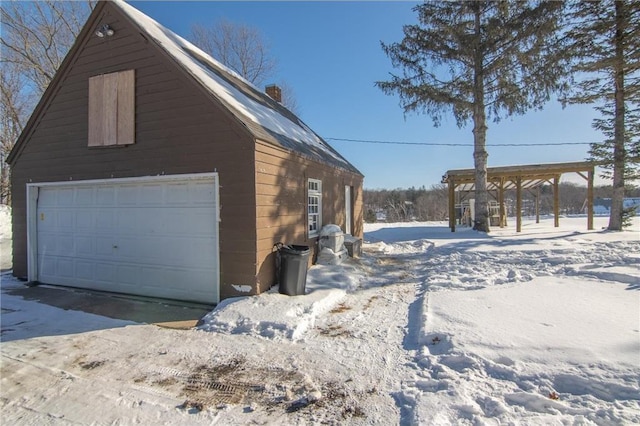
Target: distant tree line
x=431 y=204
x=400 y=205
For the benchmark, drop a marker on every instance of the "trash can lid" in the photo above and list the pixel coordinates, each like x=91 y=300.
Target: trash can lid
x=330 y=230
x=295 y=249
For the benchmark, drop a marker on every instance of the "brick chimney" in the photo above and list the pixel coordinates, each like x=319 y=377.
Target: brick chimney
x=274 y=92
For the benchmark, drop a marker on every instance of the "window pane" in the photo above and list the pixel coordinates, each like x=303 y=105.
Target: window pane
x=314 y=205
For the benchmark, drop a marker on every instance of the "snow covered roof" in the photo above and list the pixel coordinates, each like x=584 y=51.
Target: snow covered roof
x=265 y=118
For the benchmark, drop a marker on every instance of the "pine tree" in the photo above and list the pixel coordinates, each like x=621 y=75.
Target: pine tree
x=479 y=59
x=605 y=38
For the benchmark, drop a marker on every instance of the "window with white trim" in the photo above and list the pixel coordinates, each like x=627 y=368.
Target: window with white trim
x=314 y=206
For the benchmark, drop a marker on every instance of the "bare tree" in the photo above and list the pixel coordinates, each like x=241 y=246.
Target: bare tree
x=240 y=47
x=14 y=108
x=433 y=204
x=244 y=50
x=289 y=98
x=36 y=37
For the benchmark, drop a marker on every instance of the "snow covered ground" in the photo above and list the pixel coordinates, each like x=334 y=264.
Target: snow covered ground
x=427 y=327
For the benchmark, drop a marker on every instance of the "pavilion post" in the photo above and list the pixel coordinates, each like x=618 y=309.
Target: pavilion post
x=502 y=212
x=590 y=199
x=519 y=204
x=556 y=201
x=538 y=204
x=452 y=204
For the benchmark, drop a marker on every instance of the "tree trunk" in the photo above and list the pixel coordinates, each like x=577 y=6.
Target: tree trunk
x=615 y=218
x=481 y=221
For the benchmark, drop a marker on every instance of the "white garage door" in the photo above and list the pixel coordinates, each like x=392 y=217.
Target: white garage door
x=154 y=236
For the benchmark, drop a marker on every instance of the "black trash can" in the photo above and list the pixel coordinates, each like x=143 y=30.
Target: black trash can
x=292 y=261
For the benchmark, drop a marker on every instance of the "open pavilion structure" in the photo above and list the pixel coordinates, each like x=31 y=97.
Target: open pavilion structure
x=521 y=178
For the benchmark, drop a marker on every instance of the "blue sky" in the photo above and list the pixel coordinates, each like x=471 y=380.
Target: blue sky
x=329 y=53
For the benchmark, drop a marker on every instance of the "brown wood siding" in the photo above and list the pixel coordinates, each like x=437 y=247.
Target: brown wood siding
x=281 y=203
x=178 y=130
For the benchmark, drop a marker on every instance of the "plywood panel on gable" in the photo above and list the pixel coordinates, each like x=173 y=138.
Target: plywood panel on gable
x=110 y=112
x=96 y=87
x=126 y=107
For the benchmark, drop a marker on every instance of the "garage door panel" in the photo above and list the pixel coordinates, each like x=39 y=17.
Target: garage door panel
x=65 y=246
x=127 y=274
x=104 y=272
x=104 y=247
x=104 y=221
x=105 y=196
x=203 y=252
x=65 y=197
x=64 y=267
x=48 y=198
x=166 y=277
x=150 y=238
x=52 y=266
x=177 y=194
x=85 y=246
x=84 y=197
x=85 y=221
x=65 y=219
x=84 y=270
x=126 y=196
x=199 y=258
x=198 y=276
x=175 y=225
x=201 y=194
x=56 y=245
x=128 y=221
x=179 y=281
x=202 y=224
x=143 y=249
x=47 y=243
x=151 y=196
x=199 y=225
x=47 y=265
x=153 y=221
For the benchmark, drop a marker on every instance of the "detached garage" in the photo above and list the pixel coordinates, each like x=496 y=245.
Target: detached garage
x=149 y=168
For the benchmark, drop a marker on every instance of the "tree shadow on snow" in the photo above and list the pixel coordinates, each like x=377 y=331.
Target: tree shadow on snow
x=412 y=233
